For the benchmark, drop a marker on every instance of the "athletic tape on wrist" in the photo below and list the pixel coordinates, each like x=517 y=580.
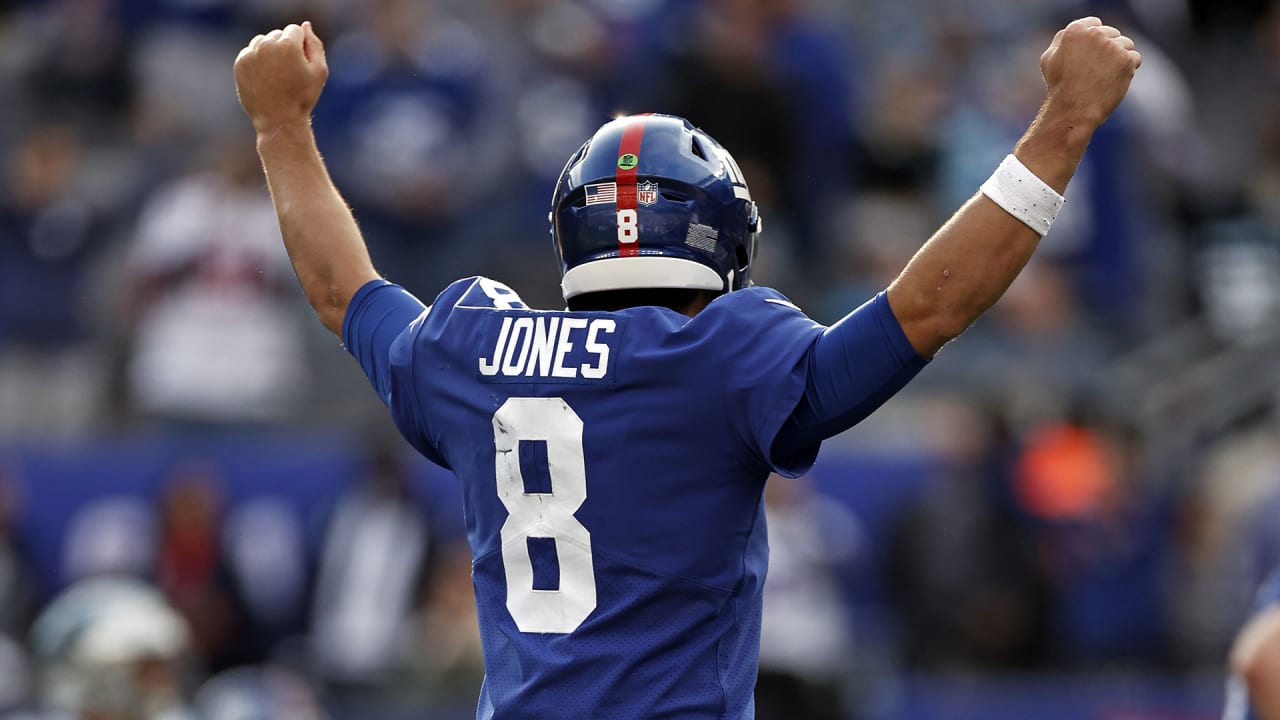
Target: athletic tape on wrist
x=1023 y=195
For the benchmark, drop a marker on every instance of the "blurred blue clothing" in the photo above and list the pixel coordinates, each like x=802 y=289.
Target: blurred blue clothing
x=43 y=259
x=612 y=466
x=813 y=66
x=1112 y=602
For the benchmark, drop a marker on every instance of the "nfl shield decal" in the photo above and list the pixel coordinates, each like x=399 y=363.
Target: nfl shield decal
x=647 y=192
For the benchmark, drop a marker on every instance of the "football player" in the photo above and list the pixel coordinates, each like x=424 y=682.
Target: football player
x=613 y=455
x=1253 y=692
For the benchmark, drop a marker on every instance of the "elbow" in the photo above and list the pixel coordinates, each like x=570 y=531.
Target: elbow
x=948 y=323
x=931 y=320
x=332 y=320
x=1257 y=670
x=328 y=303
x=330 y=291
x=931 y=327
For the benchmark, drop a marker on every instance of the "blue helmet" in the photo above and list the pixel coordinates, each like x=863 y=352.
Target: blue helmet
x=650 y=201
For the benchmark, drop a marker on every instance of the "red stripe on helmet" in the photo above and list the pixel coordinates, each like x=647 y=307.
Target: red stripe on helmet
x=626 y=181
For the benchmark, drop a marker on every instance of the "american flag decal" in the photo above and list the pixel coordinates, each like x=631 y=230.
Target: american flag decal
x=602 y=193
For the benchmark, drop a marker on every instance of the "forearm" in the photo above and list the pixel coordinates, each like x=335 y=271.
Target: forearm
x=973 y=258
x=320 y=234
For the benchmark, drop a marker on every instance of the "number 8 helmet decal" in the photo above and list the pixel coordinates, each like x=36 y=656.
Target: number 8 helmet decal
x=650 y=201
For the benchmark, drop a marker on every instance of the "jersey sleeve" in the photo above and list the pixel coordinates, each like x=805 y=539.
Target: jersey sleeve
x=378 y=313
x=395 y=338
x=380 y=330
x=763 y=344
x=853 y=368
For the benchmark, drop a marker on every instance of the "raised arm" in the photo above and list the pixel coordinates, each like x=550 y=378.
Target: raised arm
x=861 y=361
x=970 y=262
x=279 y=77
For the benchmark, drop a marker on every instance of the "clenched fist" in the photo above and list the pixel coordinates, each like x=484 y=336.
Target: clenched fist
x=279 y=77
x=1087 y=69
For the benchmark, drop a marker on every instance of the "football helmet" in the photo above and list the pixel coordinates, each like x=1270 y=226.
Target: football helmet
x=650 y=201
x=93 y=642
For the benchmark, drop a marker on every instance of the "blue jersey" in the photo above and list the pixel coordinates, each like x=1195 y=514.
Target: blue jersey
x=612 y=467
x=1237 y=706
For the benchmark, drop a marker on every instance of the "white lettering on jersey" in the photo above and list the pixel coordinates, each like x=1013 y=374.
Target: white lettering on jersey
x=564 y=347
x=490 y=367
x=544 y=347
x=521 y=337
x=597 y=348
x=538 y=346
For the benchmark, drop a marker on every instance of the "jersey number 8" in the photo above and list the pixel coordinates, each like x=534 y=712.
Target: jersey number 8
x=544 y=515
x=628 y=227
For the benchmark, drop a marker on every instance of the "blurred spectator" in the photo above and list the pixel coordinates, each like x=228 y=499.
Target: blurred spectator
x=899 y=126
x=964 y=571
x=192 y=568
x=450 y=658
x=1211 y=16
x=212 y=297
x=257 y=693
x=1101 y=531
x=1236 y=274
x=16 y=678
x=111 y=649
x=768 y=79
x=76 y=65
x=17 y=594
x=50 y=379
x=1225 y=539
x=398 y=125
x=806 y=645
x=262 y=540
x=371 y=563
x=184 y=94
x=111 y=535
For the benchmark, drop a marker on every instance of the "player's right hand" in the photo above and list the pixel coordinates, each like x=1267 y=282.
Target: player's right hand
x=1087 y=69
x=279 y=77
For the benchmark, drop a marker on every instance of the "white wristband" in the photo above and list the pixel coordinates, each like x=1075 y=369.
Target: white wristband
x=1023 y=195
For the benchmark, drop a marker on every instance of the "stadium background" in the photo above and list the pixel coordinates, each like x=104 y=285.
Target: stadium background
x=1064 y=517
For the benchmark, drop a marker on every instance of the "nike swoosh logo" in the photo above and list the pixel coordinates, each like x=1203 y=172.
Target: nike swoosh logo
x=783 y=303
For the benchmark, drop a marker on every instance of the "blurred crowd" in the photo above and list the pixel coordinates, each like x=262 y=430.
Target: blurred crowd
x=186 y=599
x=1103 y=450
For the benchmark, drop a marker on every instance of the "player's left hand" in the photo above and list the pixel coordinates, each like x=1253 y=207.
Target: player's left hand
x=1087 y=70
x=279 y=77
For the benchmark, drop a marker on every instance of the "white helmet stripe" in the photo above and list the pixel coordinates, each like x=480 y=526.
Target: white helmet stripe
x=632 y=273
